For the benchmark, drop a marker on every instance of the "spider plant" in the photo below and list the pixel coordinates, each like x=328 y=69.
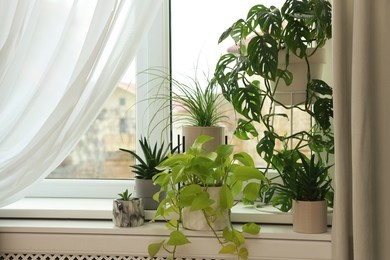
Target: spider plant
x=196 y=98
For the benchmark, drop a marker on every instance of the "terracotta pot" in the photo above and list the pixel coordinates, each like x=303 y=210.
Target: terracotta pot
x=128 y=213
x=310 y=216
x=145 y=189
x=190 y=133
x=195 y=220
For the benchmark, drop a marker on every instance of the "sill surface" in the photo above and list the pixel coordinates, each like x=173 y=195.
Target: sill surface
x=101 y=209
x=84 y=227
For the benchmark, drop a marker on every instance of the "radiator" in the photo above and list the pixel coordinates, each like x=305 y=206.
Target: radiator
x=80 y=257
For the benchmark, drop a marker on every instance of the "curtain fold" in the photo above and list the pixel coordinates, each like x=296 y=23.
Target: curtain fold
x=361 y=230
x=60 y=61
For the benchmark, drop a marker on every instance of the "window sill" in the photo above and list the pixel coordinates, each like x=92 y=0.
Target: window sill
x=86 y=238
x=101 y=209
x=43 y=226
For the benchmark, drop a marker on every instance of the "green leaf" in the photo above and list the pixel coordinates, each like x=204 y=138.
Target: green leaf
x=176 y=238
x=263 y=55
x=296 y=37
x=201 y=201
x=323 y=112
x=154 y=248
x=246 y=173
x=247 y=101
x=228 y=249
x=244 y=158
x=198 y=143
x=319 y=87
x=270 y=20
x=251 y=228
x=236 y=188
x=245 y=130
x=286 y=75
x=265 y=147
x=238 y=238
x=191 y=189
x=172 y=224
x=251 y=191
x=226 y=199
x=243 y=253
x=228 y=234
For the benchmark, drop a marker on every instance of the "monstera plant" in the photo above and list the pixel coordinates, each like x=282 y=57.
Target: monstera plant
x=266 y=42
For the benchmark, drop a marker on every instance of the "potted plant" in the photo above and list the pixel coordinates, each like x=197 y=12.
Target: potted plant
x=199 y=106
x=307 y=183
x=128 y=211
x=145 y=169
x=206 y=184
x=268 y=39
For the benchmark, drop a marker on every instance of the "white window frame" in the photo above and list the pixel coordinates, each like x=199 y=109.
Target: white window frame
x=154 y=52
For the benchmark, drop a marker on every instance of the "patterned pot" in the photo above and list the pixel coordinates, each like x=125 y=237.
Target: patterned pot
x=128 y=213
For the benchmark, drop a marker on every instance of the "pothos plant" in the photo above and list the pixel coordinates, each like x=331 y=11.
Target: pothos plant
x=250 y=80
x=187 y=177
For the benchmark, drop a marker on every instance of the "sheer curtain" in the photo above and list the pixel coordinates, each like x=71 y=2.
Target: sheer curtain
x=59 y=62
x=361 y=226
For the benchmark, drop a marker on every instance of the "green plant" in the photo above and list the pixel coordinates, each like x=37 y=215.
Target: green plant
x=250 y=79
x=195 y=97
x=125 y=196
x=306 y=180
x=153 y=156
x=186 y=179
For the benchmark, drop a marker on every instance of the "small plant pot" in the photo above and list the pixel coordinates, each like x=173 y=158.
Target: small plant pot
x=128 y=213
x=296 y=92
x=195 y=220
x=310 y=217
x=145 y=189
x=190 y=133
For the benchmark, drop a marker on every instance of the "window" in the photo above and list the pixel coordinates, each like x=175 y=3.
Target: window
x=103 y=171
x=96 y=161
x=195 y=51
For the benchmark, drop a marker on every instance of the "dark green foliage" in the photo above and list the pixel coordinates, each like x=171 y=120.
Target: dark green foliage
x=306 y=180
x=146 y=168
x=250 y=78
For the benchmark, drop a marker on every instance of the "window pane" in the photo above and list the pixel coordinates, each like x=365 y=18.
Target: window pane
x=97 y=154
x=195 y=51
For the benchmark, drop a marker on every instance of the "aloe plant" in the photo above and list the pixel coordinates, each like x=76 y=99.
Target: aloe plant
x=307 y=180
x=153 y=156
x=125 y=196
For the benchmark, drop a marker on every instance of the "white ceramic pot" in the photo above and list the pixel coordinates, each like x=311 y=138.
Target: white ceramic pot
x=195 y=220
x=190 y=133
x=310 y=216
x=295 y=93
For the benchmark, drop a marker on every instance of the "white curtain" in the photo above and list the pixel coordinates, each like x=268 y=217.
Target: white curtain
x=59 y=62
x=361 y=222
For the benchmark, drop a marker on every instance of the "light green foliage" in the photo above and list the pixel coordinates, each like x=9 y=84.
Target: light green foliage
x=186 y=179
x=196 y=95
